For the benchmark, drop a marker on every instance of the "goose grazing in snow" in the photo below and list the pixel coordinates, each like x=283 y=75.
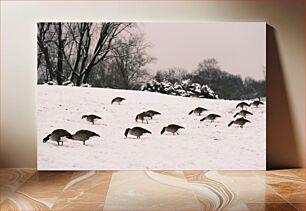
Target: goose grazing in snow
x=57 y=136
x=256 y=103
x=84 y=135
x=91 y=118
x=242 y=105
x=117 y=100
x=210 y=117
x=240 y=121
x=144 y=116
x=152 y=113
x=197 y=110
x=243 y=113
x=172 y=128
x=136 y=131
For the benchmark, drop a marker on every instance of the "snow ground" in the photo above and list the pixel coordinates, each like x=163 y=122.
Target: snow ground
x=201 y=145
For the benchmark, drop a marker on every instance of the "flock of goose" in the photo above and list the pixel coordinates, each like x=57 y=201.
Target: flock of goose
x=84 y=135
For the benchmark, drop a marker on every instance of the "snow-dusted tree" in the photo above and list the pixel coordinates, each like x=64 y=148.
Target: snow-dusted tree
x=184 y=88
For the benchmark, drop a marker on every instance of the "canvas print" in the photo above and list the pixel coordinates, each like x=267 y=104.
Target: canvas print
x=159 y=96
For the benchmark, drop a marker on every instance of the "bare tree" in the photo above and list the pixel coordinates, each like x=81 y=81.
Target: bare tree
x=77 y=47
x=43 y=41
x=130 y=59
x=91 y=43
x=209 y=64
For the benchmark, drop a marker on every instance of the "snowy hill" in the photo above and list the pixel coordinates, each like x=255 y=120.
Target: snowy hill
x=201 y=145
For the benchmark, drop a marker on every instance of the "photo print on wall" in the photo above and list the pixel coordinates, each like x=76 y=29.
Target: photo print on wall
x=158 y=96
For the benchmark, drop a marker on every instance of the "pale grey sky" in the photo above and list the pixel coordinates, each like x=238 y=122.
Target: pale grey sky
x=240 y=48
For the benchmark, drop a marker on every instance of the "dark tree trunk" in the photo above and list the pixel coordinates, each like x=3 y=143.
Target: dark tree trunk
x=48 y=62
x=38 y=60
x=85 y=78
x=60 y=56
x=79 y=80
x=81 y=28
x=71 y=76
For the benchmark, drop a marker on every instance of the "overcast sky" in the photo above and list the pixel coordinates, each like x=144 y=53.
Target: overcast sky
x=240 y=48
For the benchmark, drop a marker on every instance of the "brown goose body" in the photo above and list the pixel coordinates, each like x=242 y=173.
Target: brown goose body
x=84 y=135
x=144 y=116
x=211 y=117
x=172 y=128
x=240 y=121
x=243 y=113
x=91 y=118
x=152 y=113
x=136 y=131
x=242 y=105
x=197 y=110
x=57 y=136
x=117 y=100
x=256 y=103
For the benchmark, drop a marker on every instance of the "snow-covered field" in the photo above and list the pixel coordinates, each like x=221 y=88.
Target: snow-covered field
x=201 y=145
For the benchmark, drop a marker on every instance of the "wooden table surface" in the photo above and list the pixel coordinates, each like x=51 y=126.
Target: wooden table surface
x=28 y=189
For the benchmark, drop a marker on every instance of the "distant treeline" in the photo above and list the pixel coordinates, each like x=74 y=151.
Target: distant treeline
x=224 y=84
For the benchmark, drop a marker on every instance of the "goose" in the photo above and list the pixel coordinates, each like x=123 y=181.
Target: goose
x=136 y=131
x=152 y=113
x=144 y=116
x=242 y=105
x=240 y=121
x=211 y=117
x=172 y=128
x=257 y=103
x=117 y=100
x=197 y=110
x=57 y=136
x=243 y=113
x=84 y=135
x=91 y=118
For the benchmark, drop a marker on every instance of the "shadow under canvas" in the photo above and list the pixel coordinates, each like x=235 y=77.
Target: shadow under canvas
x=281 y=139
